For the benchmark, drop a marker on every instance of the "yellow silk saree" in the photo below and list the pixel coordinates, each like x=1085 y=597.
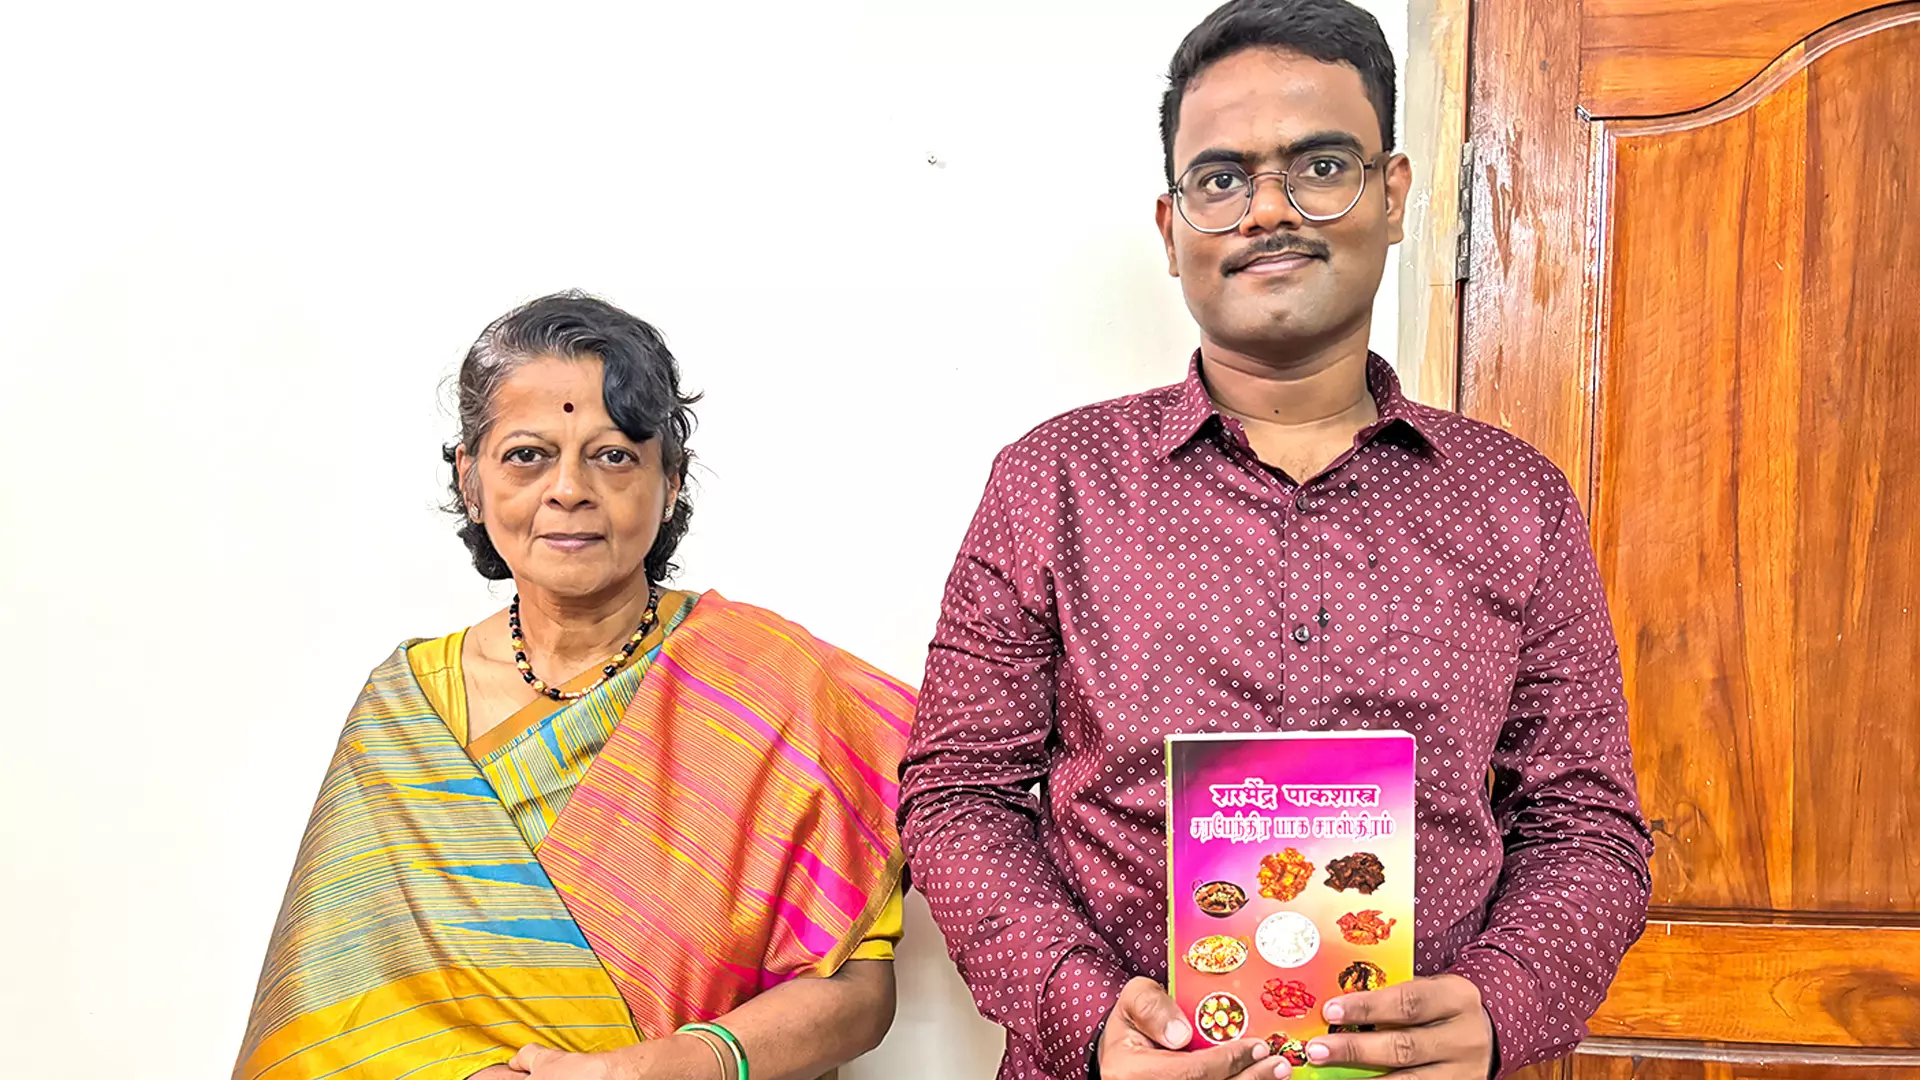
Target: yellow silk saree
x=715 y=820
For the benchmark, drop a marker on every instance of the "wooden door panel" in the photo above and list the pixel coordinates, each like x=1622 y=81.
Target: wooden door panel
x=1644 y=58
x=1616 y=1063
x=1712 y=744
x=1857 y=777
x=1711 y=321
x=1623 y=1067
x=1757 y=509
x=1784 y=984
x=1525 y=320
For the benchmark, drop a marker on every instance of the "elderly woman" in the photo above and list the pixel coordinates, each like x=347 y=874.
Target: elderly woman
x=612 y=831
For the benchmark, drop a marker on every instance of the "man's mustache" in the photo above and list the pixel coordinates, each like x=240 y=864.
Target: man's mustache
x=1275 y=245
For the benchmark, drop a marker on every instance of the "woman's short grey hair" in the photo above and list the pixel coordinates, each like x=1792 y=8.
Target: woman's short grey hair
x=641 y=386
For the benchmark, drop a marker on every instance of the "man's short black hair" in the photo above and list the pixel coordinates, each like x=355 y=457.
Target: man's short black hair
x=1330 y=31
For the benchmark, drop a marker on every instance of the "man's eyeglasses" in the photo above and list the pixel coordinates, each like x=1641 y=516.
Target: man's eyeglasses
x=1323 y=185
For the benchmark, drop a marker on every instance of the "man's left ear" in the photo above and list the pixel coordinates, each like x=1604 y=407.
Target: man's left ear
x=1163 y=219
x=1399 y=178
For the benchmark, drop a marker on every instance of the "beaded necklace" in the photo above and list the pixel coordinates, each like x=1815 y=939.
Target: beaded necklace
x=607 y=671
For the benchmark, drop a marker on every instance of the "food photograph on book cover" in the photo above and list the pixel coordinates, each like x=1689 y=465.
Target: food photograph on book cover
x=1291 y=867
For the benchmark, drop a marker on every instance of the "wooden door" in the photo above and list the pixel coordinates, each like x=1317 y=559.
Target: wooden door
x=1695 y=283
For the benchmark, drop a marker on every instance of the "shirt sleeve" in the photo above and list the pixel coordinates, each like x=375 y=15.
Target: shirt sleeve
x=981 y=740
x=1573 y=889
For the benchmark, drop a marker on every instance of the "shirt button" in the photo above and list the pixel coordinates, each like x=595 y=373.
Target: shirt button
x=1353 y=487
x=1301 y=634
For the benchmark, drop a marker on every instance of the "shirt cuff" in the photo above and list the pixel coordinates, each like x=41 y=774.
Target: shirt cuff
x=1510 y=994
x=1078 y=997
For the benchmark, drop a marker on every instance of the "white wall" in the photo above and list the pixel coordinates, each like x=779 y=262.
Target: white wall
x=240 y=247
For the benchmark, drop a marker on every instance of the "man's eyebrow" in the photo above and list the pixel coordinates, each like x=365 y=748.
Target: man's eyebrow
x=1319 y=140
x=1220 y=155
x=1325 y=140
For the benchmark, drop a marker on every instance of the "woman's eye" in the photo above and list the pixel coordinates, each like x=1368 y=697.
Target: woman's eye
x=523 y=455
x=616 y=456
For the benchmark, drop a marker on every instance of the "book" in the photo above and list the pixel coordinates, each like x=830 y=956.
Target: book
x=1290 y=880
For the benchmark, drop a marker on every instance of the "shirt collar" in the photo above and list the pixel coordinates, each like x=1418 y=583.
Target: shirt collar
x=1189 y=411
x=1192 y=407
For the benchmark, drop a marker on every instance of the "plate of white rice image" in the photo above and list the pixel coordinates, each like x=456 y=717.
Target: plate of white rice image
x=1287 y=939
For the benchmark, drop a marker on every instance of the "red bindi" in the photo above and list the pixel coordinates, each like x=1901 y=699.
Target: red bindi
x=568 y=406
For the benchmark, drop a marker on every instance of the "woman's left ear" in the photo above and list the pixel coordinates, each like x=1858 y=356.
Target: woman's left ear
x=463 y=467
x=673 y=500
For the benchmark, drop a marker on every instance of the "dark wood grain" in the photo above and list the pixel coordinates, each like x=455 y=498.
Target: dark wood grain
x=1598 y=1067
x=1696 y=520
x=1643 y=58
x=1857 y=756
x=1758 y=515
x=1526 y=343
x=1712 y=322
x=1552 y=1070
x=1780 y=985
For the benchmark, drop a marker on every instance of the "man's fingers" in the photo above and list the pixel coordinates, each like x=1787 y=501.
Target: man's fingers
x=1425 y=1072
x=1242 y=1058
x=1147 y=1008
x=1398 y=1049
x=1228 y=1061
x=1408 y=1004
x=1401 y=1006
x=1421 y=1023
x=1270 y=1068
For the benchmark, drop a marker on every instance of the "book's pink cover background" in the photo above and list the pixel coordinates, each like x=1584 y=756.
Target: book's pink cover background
x=1195 y=765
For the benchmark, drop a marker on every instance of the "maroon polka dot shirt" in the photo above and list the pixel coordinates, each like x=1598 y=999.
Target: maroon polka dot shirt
x=1133 y=570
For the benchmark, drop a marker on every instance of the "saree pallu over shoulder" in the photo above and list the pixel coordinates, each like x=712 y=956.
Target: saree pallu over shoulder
x=737 y=830
x=419 y=937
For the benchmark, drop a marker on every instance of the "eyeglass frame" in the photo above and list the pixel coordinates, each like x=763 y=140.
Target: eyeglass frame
x=1367 y=165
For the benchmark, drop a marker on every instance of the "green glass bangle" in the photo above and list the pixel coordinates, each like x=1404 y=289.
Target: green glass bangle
x=712 y=1042
x=733 y=1044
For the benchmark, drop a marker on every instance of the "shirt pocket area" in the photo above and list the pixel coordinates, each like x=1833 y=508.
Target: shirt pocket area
x=1453 y=662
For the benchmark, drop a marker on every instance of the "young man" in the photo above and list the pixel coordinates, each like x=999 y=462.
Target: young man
x=1281 y=542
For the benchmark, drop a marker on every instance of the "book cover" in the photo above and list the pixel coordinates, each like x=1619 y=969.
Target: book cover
x=1290 y=880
